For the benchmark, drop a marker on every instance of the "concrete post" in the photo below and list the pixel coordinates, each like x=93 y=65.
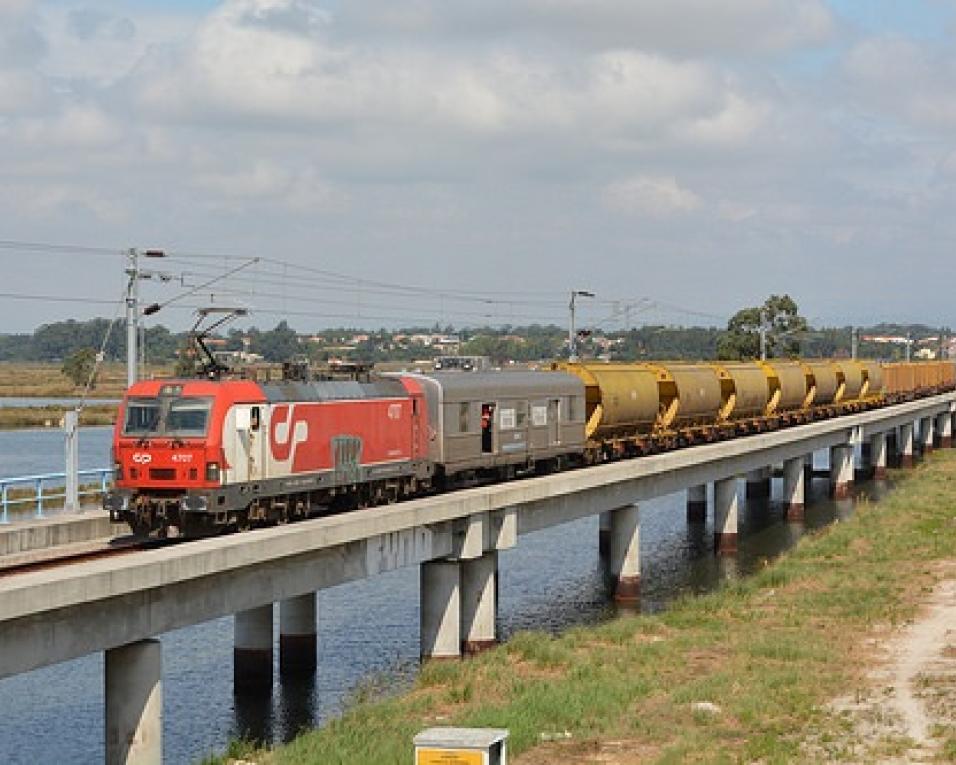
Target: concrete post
x=298 y=642
x=134 y=704
x=841 y=471
x=252 y=651
x=441 y=609
x=71 y=447
x=944 y=429
x=725 y=516
x=793 y=488
x=758 y=483
x=479 y=596
x=625 y=558
x=926 y=434
x=604 y=534
x=906 y=445
x=878 y=455
x=697 y=504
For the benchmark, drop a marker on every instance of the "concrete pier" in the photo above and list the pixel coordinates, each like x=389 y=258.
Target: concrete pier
x=944 y=430
x=725 y=516
x=625 y=560
x=298 y=642
x=926 y=434
x=906 y=445
x=134 y=703
x=758 y=483
x=479 y=602
x=604 y=534
x=794 y=488
x=441 y=609
x=697 y=504
x=252 y=652
x=841 y=471
x=866 y=460
x=878 y=448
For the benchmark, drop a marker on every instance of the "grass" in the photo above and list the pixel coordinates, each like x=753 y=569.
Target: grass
x=769 y=651
x=16 y=418
x=22 y=379
x=29 y=380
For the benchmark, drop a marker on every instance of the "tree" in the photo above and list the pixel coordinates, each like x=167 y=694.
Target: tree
x=279 y=344
x=778 y=316
x=79 y=366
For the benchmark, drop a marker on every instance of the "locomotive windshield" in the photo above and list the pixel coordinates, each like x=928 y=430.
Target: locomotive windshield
x=181 y=417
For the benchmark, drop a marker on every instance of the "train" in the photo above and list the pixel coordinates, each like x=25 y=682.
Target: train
x=196 y=457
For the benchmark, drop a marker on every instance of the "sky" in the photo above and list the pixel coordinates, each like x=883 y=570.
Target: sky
x=473 y=162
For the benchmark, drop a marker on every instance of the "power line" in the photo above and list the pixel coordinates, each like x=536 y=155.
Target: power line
x=57 y=249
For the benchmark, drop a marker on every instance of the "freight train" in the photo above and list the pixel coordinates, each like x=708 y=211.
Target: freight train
x=195 y=457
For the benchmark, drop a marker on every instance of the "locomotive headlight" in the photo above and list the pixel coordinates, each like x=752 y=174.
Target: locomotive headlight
x=212 y=471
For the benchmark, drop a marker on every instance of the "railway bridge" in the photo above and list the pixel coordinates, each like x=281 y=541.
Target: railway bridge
x=120 y=605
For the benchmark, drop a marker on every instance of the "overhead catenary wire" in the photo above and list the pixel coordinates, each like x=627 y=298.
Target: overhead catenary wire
x=292 y=277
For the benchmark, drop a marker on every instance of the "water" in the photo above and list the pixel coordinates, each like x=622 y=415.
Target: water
x=19 y=403
x=368 y=631
x=32 y=452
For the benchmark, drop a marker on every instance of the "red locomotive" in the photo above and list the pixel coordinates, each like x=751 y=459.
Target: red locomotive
x=193 y=457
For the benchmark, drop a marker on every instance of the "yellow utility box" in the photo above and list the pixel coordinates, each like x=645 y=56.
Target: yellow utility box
x=461 y=746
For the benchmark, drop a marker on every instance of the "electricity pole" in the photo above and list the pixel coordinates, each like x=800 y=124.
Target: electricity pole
x=572 y=337
x=763 y=336
x=908 y=342
x=132 y=315
x=853 y=343
x=134 y=273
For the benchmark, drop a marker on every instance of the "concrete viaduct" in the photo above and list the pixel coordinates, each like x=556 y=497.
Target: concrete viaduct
x=120 y=604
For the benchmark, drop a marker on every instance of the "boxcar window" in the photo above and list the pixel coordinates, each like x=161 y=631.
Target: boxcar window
x=572 y=415
x=507 y=419
x=188 y=417
x=463 y=409
x=142 y=417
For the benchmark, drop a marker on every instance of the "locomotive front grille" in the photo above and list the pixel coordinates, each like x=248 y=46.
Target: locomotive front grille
x=162 y=474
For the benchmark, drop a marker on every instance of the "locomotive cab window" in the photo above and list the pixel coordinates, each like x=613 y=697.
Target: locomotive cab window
x=142 y=417
x=188 y=417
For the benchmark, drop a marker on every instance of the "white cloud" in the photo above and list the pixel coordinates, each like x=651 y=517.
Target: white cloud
x=265 y=182
x=904 y=79
x=698 y=27
x=300 y=79
x=656 y=197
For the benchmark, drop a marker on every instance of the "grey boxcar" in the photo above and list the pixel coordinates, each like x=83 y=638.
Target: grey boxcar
x=488 y=420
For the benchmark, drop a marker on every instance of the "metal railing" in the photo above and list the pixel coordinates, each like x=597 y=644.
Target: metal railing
x=41 y=486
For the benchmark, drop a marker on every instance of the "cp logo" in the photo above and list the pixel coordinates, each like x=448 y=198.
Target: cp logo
x=142 y=458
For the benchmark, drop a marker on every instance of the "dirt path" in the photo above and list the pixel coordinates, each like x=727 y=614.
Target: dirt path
x=908 y=710
x=905 y=714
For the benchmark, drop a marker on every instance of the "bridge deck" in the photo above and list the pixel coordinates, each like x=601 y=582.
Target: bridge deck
x=57 y=614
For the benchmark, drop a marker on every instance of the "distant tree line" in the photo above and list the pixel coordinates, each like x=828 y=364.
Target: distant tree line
x=787 y=334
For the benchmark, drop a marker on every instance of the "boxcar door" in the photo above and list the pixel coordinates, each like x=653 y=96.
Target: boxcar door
x=554 y=424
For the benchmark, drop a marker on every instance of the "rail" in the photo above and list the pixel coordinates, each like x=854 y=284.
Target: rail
x=47 y=481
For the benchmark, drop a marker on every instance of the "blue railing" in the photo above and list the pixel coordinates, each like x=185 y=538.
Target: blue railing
x=47 y=481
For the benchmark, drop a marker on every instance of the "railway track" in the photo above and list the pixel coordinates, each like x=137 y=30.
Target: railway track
x=61 y=555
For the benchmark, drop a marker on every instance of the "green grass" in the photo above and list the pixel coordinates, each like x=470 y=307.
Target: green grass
x=769 y=651
x=14 y=418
